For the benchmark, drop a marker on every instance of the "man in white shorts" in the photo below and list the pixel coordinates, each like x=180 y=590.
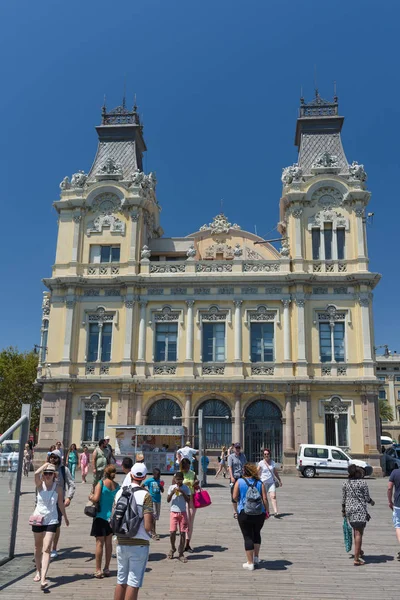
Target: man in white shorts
x=133 y=553
x=394 y=502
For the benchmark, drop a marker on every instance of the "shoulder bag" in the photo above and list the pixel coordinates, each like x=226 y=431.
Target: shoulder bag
x=361 y=500
x=93 y=508
x=276 y=480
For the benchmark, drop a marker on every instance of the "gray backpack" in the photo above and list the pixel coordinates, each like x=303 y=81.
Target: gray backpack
x=127 y=515
x=253 y=504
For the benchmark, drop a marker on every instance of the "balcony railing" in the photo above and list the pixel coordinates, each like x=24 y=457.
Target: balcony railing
x=102 y=269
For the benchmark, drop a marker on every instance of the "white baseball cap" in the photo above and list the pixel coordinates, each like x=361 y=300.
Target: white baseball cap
x=107 y=437
x=139 y=471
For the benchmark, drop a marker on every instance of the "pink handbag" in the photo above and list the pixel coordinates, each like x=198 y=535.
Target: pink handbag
x=36 y=520
x=201 y=498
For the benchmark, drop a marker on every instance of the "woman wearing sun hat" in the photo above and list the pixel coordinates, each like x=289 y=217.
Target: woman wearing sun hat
x=45 y=518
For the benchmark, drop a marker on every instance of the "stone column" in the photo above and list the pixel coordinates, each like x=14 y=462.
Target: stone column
x=238 y=331
x=132 y=249
x=298 y=252
x=142 y=332
x=189 y=330
x=371 y=430
x=366 y=335
x=187 y=414
x=237 y=432
x=289 y=453
x=392 y=394
x=123 y=405
x=127 y=357
x=359 y=212
x=301 y=338
x=75 y=240
x=139 y=408
x=69 y=315
x=287 y=354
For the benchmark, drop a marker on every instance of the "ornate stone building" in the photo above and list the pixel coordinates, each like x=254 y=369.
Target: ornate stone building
x=388 y=374
x=138 y=328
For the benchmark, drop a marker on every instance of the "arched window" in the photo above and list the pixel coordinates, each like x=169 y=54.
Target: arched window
x=263 y=429
x=217 y=424
x=162 y=413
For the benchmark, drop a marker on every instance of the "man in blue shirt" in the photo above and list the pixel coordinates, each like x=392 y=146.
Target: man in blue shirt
x=394 y=501
x=156 y=488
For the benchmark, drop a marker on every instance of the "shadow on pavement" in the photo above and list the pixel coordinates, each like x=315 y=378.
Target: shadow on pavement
x=56 y=582
x=274 y=565
x=210 y=549
x=282 y=515
x=380 y=558
x=156 y=556
x=199 y=556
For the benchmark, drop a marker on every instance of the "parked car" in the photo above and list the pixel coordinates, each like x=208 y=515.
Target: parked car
x=6 y=448
x=316 y=459
x=392 y=455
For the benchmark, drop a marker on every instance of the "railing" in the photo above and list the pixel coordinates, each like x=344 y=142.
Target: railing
x=9 y=502
x=102 y=269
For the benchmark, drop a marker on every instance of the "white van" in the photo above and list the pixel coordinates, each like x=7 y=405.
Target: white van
x=315 y=459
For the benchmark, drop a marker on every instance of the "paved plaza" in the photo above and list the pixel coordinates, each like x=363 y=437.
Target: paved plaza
x=303 y=552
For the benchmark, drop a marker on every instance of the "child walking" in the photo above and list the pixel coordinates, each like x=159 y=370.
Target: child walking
x=179 y=496
x=84 y=463
x=156 y=488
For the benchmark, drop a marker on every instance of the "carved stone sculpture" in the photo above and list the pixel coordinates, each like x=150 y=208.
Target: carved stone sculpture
x=220 y=224
x=78 y=179
x=191 y=252
x=111 y=167
x=291 y=174
x=237 y=251
x=357 y=171
x=326 y=160
x=65 y=184
x=145 y=253
x=285 y=250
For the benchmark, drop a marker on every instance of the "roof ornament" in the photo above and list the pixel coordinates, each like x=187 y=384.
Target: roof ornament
x=110 y=169
x=78 y=180
x=357 y=171
x=292 y=174
x=326 y=163
x=220 y=224
x=65 y=184
x=145 y=253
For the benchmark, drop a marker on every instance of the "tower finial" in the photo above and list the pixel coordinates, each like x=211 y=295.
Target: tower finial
x=124 y=96
x=335 y=98
x=315 y=81
x=134 y=104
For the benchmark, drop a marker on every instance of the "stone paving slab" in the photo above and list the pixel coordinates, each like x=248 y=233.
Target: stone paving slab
x=303 y=552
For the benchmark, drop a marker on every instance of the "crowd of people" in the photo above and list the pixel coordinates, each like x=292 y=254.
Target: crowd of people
x=129 y=512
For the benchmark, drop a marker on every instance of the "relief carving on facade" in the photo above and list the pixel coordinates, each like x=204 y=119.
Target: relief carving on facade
x=110 y=222
x=220 y=224
x=327 y=197
x=357 y=172
x=78 y=180
x=166 y=314
x=110 y=169
x=261 y=314
x=263 y=268
x=292 y=174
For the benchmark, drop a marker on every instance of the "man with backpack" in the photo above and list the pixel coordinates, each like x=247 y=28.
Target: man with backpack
x=66 y=483
x=132 y=521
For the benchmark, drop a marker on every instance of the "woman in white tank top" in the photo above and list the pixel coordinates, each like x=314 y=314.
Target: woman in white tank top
x=47 y=500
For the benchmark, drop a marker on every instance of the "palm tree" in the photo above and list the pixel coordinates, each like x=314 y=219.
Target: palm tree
x=385 y=411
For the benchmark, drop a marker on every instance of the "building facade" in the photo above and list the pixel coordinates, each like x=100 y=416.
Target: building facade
x=388 y=374
x=139 y=328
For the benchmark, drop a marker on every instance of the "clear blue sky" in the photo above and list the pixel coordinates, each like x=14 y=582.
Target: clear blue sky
x=218 y=83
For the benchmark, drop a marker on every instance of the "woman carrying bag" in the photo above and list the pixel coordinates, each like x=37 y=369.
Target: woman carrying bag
x=270 y=478
x=355 y=497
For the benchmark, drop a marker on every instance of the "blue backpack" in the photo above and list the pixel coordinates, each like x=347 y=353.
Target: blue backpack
x=253 y=504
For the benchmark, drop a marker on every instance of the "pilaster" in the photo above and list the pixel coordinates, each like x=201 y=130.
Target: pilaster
x=141 y=359
x=238 y=419
x=289 y=453
x=188 y=366
x=127 y=357
x=139 y=408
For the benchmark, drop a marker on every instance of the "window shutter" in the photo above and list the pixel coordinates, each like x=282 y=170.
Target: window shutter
x=94 y=253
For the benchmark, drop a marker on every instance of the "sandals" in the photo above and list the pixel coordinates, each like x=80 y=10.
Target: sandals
x=359 y=563
x=171 y=553
x=188 y=549
x=106 y=572
x=44 y=585
x=98 y=575
x=182 y=558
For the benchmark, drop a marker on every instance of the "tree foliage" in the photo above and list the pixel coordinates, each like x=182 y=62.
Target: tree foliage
x=17 y=378
x=385 y=410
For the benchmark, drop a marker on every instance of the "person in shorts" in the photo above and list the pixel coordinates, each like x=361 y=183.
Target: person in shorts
x=394 y=501
x=179 y=497
x=156 y=488
x=66 y=483
x=236 y=462
x=133 y=553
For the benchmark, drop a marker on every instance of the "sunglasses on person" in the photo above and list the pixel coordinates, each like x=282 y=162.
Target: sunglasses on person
x=267 y=454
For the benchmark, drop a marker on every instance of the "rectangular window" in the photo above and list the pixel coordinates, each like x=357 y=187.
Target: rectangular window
x=93 y=346
x=397 y=378
x=316 y=242
x=325 y=344
x=382 y=394
x=93 y=429
x=213 y=342
x=331 y=342
x=105 y=343
x=398 y=394
x=262 y=342
x=338 y=341
x=381 y=377
x=166 y=340
x=340 y=236
x=339 y=436
x=109 y=254
x=106 y=335
x=328 y=240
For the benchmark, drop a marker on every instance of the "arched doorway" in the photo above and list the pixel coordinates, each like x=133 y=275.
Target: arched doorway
x=162 y=413
x=218 y=431
x=263 y=429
